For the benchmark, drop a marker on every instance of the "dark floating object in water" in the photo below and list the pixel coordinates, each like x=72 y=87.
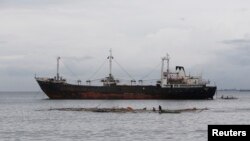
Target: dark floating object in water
x=228 y=97
x=169 y=111
x=129 y=110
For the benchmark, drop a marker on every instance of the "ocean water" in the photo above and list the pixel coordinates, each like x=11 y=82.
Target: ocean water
x=25 y=116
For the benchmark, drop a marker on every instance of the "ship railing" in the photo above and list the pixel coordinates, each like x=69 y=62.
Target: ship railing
x=183 y=86
x=43 y=78
x=46 y=79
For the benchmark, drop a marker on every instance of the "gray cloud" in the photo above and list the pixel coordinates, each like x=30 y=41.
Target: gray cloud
x=239 y=52
x=237 y=41
x=229 y=67
x=2 y=42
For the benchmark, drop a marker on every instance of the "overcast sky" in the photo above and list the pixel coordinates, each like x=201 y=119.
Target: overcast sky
x=208 y=37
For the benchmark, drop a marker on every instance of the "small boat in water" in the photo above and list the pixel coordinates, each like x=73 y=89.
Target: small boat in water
x=169 y=111
x=228 y=97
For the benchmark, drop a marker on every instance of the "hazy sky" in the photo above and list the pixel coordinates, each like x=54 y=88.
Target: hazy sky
x=211 y=37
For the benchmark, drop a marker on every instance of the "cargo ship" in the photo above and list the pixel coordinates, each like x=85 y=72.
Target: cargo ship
x=171 y=85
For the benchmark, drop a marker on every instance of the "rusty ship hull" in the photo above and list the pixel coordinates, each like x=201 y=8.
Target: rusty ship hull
x=56 y=90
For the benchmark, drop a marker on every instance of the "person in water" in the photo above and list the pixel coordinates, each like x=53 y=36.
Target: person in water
x=154 y=109
x=160 y=110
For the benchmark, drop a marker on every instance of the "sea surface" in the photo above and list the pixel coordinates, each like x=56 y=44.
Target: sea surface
x=26 y=116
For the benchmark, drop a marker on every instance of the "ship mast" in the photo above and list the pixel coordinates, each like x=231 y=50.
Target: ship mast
x=162 y=69
x=168 y=58
x=110 y=57
x=108 y=81
x=57 y=68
